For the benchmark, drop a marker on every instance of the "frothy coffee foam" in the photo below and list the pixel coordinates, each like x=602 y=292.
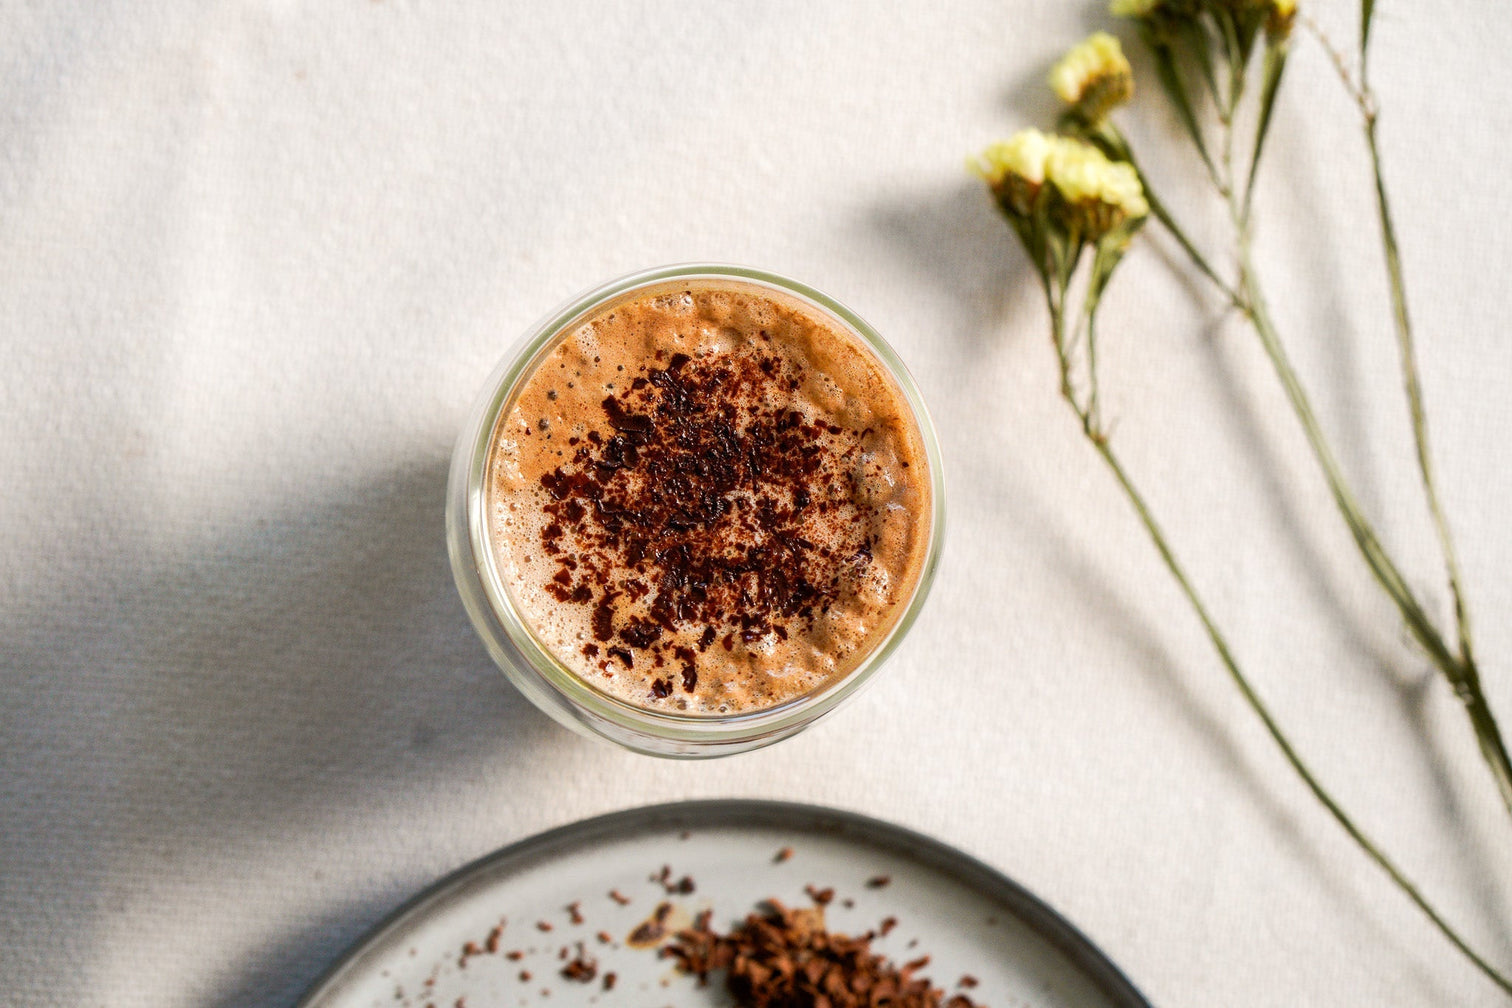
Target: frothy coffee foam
x=707 y=500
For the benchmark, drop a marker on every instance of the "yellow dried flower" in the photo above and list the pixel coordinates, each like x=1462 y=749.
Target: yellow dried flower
x=1089 y=194
x=1094 y=76
x=1022 y=154
x=1015 y=169
x=1100 y=194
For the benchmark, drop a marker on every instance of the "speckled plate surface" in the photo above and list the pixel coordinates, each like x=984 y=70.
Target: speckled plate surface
x=502 y=931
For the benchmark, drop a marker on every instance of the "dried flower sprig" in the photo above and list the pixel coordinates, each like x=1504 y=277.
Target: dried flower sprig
x=1218 y=37
x=1195 y=24
x=1068 y=204
x=1064 y=196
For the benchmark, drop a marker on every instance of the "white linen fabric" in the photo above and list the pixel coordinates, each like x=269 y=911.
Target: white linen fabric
x=257 y=257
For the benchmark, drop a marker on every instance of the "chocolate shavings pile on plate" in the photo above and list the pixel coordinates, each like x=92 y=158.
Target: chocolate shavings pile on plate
x=782 y=958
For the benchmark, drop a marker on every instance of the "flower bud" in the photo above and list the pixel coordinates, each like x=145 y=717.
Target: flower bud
x=1279 y=18
x=1094 y=77
x=1015 y=169
x=1097 y=194
x=1076 y=188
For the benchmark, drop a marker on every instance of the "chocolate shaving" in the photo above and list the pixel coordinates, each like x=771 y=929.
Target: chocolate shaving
x=702 y=510
x=623 y=421
x=603 y=622
x=582 y=969
x=820 y=896
x=651 y=930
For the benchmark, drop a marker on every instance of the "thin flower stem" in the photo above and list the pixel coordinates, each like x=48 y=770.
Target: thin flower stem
x=1364 y=99
x=1094 y=408
x=1376 y=557
x=1466 y=678
x=1237 y=63
x=1368 y=542
x=1058 y=329
x=1413 y=385
x=1249 y=300
x=1367 y=11
x=1099 y=440
x=1159 y=212
x=1198 y=47
x=1460 y=669
x=1336 y=58
x=1117 y=147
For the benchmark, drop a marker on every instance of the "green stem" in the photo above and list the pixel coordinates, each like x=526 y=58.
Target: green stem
x=1465 y=676
x=1103 y=261
x=1159 y=212
x=1099 y=440
x=1058 y=332
x=1364 y=99
x=1366 y=539
x=1406 y=346
x=1108 y=137
x=1237 y=62
x=1459 y=669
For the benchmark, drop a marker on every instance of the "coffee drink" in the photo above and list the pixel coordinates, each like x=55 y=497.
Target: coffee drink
x=708 y=498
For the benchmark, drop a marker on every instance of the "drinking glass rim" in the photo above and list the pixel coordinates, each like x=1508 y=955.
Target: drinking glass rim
x=696 y=728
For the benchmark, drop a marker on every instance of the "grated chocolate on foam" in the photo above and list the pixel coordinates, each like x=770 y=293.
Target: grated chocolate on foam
x=706 y=494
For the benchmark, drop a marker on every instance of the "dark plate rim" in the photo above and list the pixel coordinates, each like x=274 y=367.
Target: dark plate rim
x=935 y=854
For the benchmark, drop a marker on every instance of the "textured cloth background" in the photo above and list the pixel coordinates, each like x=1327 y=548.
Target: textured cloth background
x=256 y=258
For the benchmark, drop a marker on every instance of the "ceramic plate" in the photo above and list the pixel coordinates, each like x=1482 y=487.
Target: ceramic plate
x=549 y=919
